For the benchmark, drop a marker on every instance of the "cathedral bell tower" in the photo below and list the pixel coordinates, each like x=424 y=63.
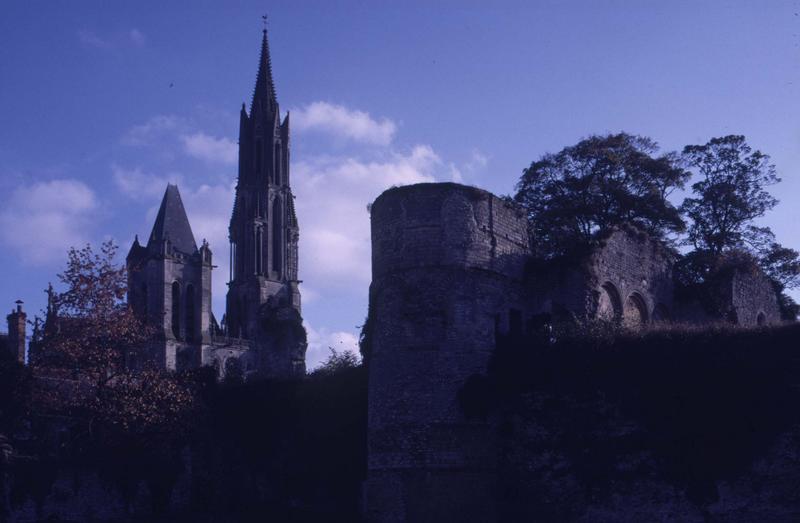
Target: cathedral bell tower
x=263 y=288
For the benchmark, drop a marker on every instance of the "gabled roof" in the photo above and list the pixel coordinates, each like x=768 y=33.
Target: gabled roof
x=172 y=223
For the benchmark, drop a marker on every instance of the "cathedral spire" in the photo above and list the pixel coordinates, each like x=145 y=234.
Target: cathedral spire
x=265 y=87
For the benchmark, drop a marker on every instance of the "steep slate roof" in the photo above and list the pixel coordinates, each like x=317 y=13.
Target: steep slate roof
x=265 y=87
x=172 y=223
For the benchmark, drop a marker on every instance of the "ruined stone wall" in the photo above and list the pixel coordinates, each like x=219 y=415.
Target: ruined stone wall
x=447 y=266
x=639 y=269
x=753 y=299
x=739 y=294
x=625 y=276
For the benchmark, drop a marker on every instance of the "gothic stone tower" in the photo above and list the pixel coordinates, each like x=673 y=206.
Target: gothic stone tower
x=263 y=302
x=169 y=287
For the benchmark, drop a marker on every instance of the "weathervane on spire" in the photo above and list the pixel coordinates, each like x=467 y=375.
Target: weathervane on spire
x=264 y=20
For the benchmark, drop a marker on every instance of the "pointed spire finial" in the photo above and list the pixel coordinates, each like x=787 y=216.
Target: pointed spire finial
x=265 y=87
x=264 y=20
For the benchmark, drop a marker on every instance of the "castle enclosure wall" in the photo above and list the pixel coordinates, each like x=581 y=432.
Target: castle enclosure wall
x=447 y=265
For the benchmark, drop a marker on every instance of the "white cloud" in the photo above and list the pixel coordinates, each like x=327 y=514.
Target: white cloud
x=137 y=37
x=309 y=294
x=162 y=130
x=455 y=173
x=320 y=343
x=139 y=185
x=42 y=221
x=332 y=198
x=133 y=37
x=338 y=120
x=92 y=40
x=469 y=170
x=210 y=149
x=155 y=127
x=477 y=161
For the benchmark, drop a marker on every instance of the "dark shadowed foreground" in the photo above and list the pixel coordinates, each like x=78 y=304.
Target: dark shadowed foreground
x=587 y=424
x=276 y=451
x=688 y=425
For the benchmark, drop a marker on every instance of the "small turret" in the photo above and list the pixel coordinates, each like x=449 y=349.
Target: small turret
x=16 y=332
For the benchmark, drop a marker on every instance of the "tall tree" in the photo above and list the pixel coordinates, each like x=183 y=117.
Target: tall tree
x=729 y=194
x=596 y=184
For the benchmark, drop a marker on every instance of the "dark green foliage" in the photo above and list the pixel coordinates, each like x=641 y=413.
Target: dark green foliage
x=15 y=394
x=599 y=183
x=337 y=362
x=282 y=451
x=704 y=404
x=781 y=264
x=254 y=451
x=700 y=276
x=366 y=335
x=729 y=195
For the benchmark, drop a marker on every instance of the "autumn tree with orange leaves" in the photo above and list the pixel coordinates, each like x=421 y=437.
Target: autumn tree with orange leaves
x=80 y=351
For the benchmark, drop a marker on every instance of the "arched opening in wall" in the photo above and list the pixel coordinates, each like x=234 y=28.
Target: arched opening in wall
x=761 y=319
x=176 y=310
x=636 y=310
x=609 y=307
x=277 y=179
x=733 y=317
x=190 y=314
x=259 y=156
x=661 y=314
x=243 y=318
x=259 y=251
x=233 y=369
x=144 y=302
x=183 y=359
x=277 y=236
x=231 y=319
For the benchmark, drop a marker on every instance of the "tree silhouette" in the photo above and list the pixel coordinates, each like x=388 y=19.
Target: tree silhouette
x=596 y=184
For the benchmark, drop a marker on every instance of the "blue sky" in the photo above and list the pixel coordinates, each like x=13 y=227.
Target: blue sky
x=103 y=103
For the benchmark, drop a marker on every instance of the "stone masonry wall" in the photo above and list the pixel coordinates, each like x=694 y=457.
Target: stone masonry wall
x=639 y=269
x=626 y=276
x=447 y=268
x=753 y=298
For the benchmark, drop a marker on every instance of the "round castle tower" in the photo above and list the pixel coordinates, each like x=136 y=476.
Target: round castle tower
x=447 y=265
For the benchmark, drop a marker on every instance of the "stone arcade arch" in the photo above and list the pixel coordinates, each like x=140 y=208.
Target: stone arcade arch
x=609 y=305
x=176 y=310
x=233 y=368
x=636 y=310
